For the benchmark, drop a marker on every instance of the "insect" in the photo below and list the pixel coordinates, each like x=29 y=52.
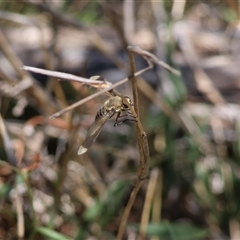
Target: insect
x=114 y=105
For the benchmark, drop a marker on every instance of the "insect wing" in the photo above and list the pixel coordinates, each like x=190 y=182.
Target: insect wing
x=93 y=133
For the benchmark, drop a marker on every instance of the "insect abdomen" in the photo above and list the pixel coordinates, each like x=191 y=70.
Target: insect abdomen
x=101 y=112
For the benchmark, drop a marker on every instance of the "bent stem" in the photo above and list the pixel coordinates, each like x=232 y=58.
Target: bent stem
x=143 y=150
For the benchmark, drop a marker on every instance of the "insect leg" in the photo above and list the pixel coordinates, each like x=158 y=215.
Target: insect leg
x=118 y=116
x=124 y=120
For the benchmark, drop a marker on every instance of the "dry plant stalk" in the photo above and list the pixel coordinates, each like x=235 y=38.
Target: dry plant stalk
x=152 y=184
x=141 y=135
x=108 y=87
x=20 y=216
x=142 y=145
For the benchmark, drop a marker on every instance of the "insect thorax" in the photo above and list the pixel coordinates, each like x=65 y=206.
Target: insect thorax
x=115 y=104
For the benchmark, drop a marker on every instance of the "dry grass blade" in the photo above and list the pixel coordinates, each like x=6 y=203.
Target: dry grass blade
x=16 y=17
x=142 y=144
x=157 y=200
x=7 y=143
x=9 y=53
x=143 y=150
x=152 y=58
x=141 y=135
x=20 y=217
x=148 y=202
x=129 y=19
x=178 y=9
x=67 y=76
x=128 y=209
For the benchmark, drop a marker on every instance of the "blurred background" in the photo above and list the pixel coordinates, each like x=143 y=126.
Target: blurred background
x=47 y=191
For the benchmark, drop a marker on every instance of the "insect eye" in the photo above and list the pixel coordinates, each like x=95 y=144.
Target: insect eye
x=129 y=100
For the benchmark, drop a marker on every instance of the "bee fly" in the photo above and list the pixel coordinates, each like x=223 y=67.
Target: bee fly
x=114 y=105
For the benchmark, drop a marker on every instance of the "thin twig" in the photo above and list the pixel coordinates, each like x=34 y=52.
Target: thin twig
x=134 y=84
x=17 y=18
x=20 y=217
x=141 y=135
x=148 y=202
x=143 y=149
x=67 y=76
x=157 y=201
x=153 y=58
x=128 y=209
x=9 y=53
x=7 y=143
x=178 y=9
x=129 y=19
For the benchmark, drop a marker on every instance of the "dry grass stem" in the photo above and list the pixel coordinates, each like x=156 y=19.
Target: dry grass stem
x=142 y=145
x=141 y=135
x=152 y=58
x=9 y=53
x=218 y=135
x=20 y=217
x=157 y=200
x=71 y=77
x=152 y=183
x=127 y=209
x=178 y=9
x=16 y=17
x=7 y=143
x=129 y=19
